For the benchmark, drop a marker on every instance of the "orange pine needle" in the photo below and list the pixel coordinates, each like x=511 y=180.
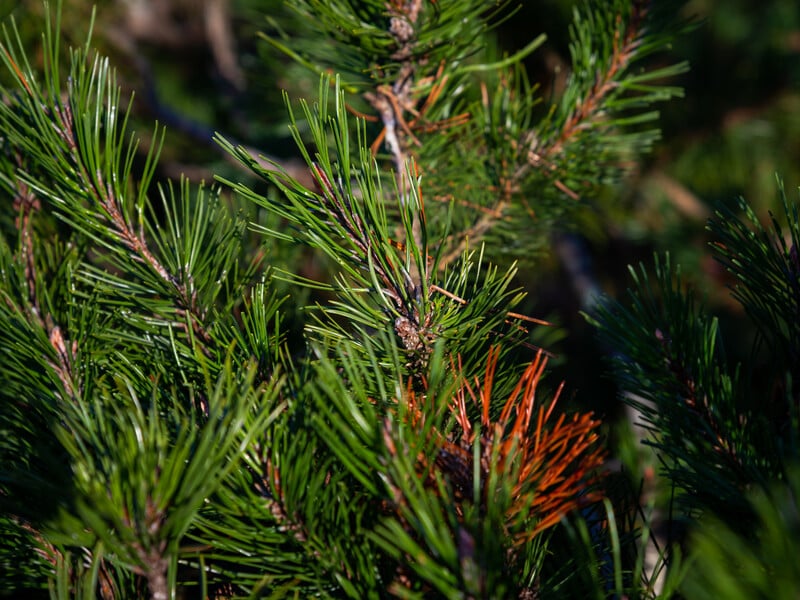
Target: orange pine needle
x=557 y=460
x=23 y=80
x=552 y=463
x=361 y=115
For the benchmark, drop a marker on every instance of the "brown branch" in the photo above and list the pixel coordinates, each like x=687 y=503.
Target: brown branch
x=50 y=554
x=393 y=101
x=583 y=117
x=588 y=110
x=18 y=72
x=358 y=235
x=104 y=196
x=63 y=365
x=448 y=198
x=136 y=242
x=490 y=215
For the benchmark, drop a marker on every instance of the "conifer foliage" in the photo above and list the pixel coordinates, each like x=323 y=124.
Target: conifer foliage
x=727 y=434
x=162 y=434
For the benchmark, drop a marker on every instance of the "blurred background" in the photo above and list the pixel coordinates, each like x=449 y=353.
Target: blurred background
x=199 y=67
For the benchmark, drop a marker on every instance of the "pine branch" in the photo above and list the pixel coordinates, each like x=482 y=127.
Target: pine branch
x=594 y=129
x=529 y=475
x=704 y=424
x=766 y=268
x=184 y=276
x=282 y=521
x=137 y=485
x=27 y=204
x=103 y=404
x=499 y=482
x=385 y=283
x=588 y=111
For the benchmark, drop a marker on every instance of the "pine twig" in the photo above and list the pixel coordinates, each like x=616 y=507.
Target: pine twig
x=103 y=196
x=27 y=204
x=588 y=111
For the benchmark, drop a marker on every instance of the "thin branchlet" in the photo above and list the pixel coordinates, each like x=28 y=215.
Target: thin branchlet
x=104 y=196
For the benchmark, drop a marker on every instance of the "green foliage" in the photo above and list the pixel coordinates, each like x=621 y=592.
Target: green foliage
x=605 y=561
x=717 y=433
x=384 y=282
x=140 y=477
x=370 y=40
x=668 y=363
x=766 y=267
x=161 y=429
x=500 y=163
x=760 y=563
x=610 y=42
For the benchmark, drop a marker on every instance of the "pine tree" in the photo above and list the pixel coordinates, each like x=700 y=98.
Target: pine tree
x=164 y=431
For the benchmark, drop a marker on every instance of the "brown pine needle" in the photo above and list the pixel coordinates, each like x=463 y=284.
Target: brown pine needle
x=23 y=80
x=511 y=315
